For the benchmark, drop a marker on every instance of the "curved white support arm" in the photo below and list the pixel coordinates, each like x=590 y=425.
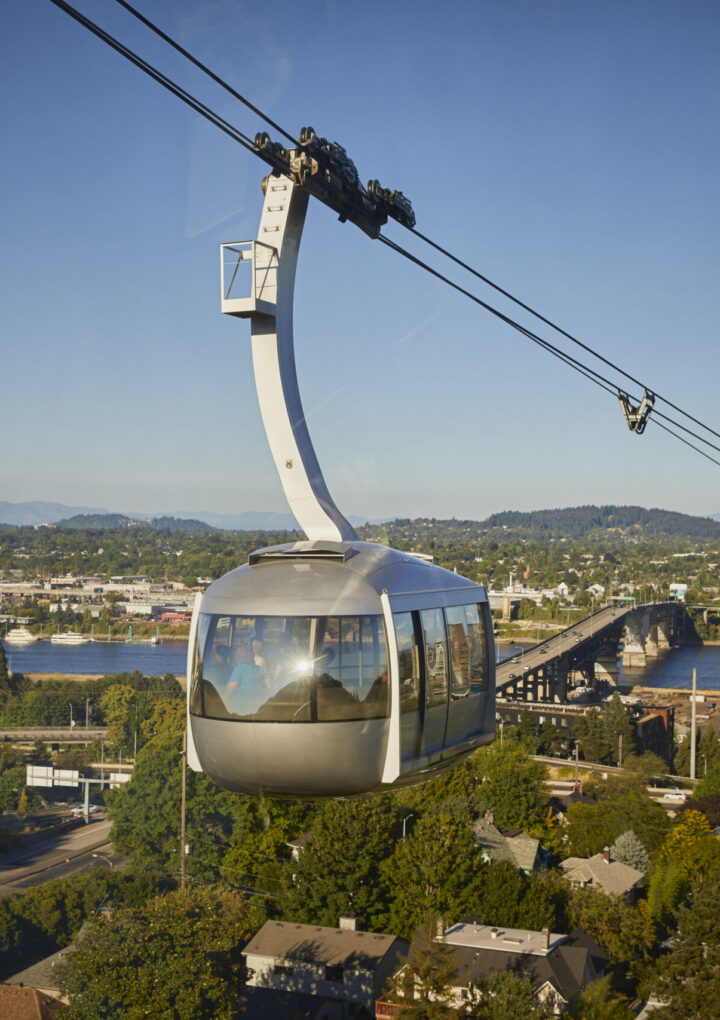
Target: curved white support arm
x=275 y=261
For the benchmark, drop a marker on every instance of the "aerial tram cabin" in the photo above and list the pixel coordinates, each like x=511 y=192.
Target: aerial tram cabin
x=329 y=667
x=339 y=668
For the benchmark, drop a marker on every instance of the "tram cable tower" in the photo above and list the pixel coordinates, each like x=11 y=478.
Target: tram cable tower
x=329 y=667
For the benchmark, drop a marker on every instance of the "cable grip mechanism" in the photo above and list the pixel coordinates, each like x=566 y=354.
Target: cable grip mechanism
x=637 y=415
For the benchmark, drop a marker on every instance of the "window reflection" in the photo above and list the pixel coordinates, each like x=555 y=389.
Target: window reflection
x=467 y=650
x=408 y=662
x=291 y=669
x=436 y=681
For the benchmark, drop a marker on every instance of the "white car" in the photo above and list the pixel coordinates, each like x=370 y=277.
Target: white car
x=80 y=810
x=675 y=795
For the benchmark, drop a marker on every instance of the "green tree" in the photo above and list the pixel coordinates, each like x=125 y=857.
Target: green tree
x=117 y=706
x=617 y=730
x=688 y=978
x=626 y=932
x=437 y=869
x=422 y=986
x=146 y=811
x=594 y=826
x=179 y=955
x=505 y=995
x=339 y=870
x=710 y=782
x=599 y=1001
x=261 y=833
x=513 y=787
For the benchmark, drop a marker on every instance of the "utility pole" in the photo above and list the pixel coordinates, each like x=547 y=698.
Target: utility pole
x=183 y=757
x=87 y=707
x=620 y=750
x=693 y=725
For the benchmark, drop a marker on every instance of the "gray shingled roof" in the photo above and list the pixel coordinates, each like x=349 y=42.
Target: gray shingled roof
x=311 y=943
x=613 y=877
x=512 y=845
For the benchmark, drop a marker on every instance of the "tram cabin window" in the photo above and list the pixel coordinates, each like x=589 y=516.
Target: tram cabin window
x=290 y=668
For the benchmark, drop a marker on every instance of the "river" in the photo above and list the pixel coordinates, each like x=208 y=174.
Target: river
x=671 y=670
x=99 y=658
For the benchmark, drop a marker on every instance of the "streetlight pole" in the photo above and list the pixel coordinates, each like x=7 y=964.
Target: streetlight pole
x=184 y=755
x=104 y=858
x=71 y=715
x=411 y=815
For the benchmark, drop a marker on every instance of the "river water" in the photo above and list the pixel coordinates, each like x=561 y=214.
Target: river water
x=99 y=657
x=671 y=670
x=674 y=669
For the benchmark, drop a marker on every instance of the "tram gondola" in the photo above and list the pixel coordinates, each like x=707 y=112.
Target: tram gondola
x=337 y=669
x=331 y=667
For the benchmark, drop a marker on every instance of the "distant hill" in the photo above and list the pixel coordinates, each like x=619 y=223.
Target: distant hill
x=106 y=522
x=249 y=520
x=576 y=522
x=38 y=512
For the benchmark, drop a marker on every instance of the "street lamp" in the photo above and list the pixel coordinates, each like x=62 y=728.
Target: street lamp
x=71 y=715
x=104 y=858
x=411 y=815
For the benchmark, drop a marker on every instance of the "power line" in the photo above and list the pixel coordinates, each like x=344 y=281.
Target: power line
x=553 y=325
x=158 y=76
x=245 y=141
x=203 y=67
x=590 y=373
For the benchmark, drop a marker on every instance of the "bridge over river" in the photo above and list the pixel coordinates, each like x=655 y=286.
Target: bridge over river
x=589 y=648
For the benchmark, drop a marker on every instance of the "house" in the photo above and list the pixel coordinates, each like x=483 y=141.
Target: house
x=601 y=872
x=514 y=845
x=558 y=966
x=42 y=977
x=18 y=1003
x=341 y=964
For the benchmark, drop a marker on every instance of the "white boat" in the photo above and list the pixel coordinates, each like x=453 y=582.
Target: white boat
x=70 y=637
x=20 y=636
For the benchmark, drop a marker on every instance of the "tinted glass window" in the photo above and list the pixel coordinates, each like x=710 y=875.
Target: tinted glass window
x=290 y=669
x=408 y=662
x=436 y=671
x=466 y=637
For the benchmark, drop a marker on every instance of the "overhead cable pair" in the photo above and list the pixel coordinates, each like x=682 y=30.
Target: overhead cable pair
x=369 y=208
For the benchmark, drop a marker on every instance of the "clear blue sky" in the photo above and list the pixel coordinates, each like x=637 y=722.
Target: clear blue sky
x=568 y=150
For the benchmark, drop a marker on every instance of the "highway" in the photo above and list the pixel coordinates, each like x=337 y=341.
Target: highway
x=56 y=855
x=55 y=735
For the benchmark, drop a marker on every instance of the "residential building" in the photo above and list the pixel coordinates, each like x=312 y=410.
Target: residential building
x=17 y=1003
x=601 y=872
x=557 y=966
x=514 y=845
x=341 y=964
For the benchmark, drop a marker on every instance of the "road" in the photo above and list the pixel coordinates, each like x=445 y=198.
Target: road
x=57 y=855
x=563 y=643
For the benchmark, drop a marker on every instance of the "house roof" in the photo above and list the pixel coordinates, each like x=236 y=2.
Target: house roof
x=44 y=973
x=512 y=845
x=311 y=943
x=612 y=876
x=27 y=1004
x=565 y=964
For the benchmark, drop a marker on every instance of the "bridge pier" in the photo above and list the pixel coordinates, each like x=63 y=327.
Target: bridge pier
x=606 y=668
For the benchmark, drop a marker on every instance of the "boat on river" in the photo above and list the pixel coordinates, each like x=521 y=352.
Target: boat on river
x=20 y=636
x=70 y=637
